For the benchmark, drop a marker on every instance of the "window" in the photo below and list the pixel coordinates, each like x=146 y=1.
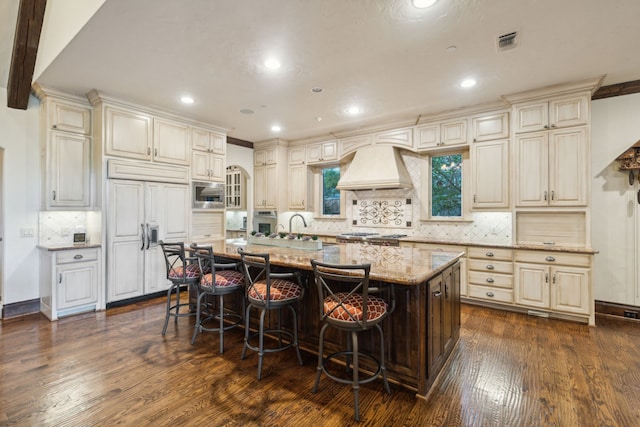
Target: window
x=446 y=186
x=330 y=194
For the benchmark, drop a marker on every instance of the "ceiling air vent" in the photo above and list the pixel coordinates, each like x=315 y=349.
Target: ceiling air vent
x=507 y=41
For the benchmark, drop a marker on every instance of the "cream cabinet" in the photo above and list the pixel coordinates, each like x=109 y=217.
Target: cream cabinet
x=127 y=133
x=236 y=188
x=490 y=174
x=551 y=114
x=207 y=167
x=559 y=282
x=298 y=187
x=69 y=281
x=270 y=177
x=206 y=226
x=322 y=152
x=207 y=141
x=297 y=156
x=552 y=168
x=438 y=135
x=170 y=142
x=490 y=127
x=490 y=274
x=137 y=135
x=66 y=153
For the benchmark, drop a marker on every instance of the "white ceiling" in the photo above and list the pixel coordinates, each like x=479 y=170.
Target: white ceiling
x=384 y=55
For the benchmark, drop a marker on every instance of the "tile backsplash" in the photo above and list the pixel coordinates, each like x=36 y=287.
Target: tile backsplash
x=57 y=227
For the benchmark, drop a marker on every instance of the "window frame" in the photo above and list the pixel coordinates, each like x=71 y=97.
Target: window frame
x=426 y=191
x=316 y=173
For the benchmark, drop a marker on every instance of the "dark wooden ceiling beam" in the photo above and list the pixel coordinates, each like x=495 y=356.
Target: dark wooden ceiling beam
x=617 y=89
x=25 y=49
x=239 y=142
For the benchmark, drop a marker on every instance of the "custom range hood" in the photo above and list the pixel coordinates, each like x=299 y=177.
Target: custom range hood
x=375 y=167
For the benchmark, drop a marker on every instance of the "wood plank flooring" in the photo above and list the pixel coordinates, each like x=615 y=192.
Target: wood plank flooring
x=114 y=367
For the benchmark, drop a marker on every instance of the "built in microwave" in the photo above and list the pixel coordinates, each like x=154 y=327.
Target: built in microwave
x=208 y=195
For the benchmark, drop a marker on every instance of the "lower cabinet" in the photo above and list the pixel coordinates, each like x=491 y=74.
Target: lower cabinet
x=443 y=317
x=491 y=274
x=557 y=282
x=69 y=281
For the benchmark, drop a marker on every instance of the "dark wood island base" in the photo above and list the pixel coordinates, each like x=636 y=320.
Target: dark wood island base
x=422 y=331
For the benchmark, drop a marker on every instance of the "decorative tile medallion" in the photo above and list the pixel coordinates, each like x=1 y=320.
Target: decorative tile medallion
x=382 y=213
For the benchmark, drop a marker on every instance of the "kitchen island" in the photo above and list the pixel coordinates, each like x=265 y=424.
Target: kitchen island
x=422 y=331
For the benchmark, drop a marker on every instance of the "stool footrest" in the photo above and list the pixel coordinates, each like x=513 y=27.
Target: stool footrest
x=361 y=356
x=287 y=334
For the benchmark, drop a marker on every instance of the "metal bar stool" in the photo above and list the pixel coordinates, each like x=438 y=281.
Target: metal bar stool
x=181 y=271
x=269 y=291
x=346 y=304
x=216 y=280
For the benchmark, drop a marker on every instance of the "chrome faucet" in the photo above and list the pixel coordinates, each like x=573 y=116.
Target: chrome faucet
x=291 y=219
x=278 y=227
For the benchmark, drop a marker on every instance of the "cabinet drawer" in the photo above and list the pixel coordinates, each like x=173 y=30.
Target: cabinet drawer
x=491 y=253
x=553 y=258
x=491 y=266
x=490 y=294
x=77 y=255
x=491 y=279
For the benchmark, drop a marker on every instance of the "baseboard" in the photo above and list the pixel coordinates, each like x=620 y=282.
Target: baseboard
x=21 y=308
x=629 y=312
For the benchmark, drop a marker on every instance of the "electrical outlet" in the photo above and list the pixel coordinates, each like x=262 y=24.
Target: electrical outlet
x=26 y=232
x=631 y=314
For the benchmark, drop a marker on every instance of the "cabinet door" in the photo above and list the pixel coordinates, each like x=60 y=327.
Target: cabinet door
x=448 y=308
x=259 y=187
x=70 y=118
x=329 y=151
x=532 y=167
x=490 y=169
x=170 y=142
x=218 y=143
x=271 y=187
x=69 y=171
x=570 y=290
x=297 y=156
x=176 y=207
x=492 y=127
x=200 y=166
x=128 y=134
x=266 y=156
x=532 y=285
x=428 y=136
x=217 y=168
x=435 y=353
x=454 y=133
x=531 y=117
x=200 y=140
x=298 y=187
x=568 y=168
x=126 y=254
x=568 y=111
x=77 y=284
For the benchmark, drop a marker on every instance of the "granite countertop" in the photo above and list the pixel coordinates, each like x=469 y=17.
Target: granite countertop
x=68 y=246
x=405 y=266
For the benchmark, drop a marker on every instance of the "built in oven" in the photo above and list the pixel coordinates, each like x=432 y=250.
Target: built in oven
x=208 y=195
x=265 y=222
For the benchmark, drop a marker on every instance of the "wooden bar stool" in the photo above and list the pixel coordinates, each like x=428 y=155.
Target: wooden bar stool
x=216 y=280
x=269 y=291
x=346 y=304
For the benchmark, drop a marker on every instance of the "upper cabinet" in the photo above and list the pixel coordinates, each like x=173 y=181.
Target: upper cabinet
x=297 y=156
x=66 y=148
x=265 y=156
x=270 y=176
x=127 y=133
x=551 y=114
x=439 y=135
x=236 y=189
x=490 y=127
x=207 y=141
x=490 y=172
x=170 y=142
x=322 y=152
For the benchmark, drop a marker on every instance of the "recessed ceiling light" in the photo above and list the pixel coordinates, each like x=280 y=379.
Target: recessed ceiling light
x=318 y=119
x=317 y=90
x=422 y=4
x=186 y=100
x=468 y=83
x=353 y=110
x=276 y=128
x=272 y=63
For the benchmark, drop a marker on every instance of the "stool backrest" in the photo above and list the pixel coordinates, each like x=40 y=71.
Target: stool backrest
x=177 y=262
x=343 y=292
x=207 y=263
x=256 y=267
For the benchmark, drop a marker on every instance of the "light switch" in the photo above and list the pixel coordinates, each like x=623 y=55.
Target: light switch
x=26 y=232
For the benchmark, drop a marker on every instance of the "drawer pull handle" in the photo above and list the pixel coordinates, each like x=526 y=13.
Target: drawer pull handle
x=489 y=254
x=78 y=256
x=60 y=278
x=490 y=267
x=437 y=294
x=489 y=280
x=490 y=294
x=550 y=258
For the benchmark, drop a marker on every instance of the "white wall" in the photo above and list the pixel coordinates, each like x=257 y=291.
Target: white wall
x=243 y=157
x=615 y=216
x=19 y=136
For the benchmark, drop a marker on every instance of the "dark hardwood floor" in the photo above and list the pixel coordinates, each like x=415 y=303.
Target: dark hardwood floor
x=114 y=367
